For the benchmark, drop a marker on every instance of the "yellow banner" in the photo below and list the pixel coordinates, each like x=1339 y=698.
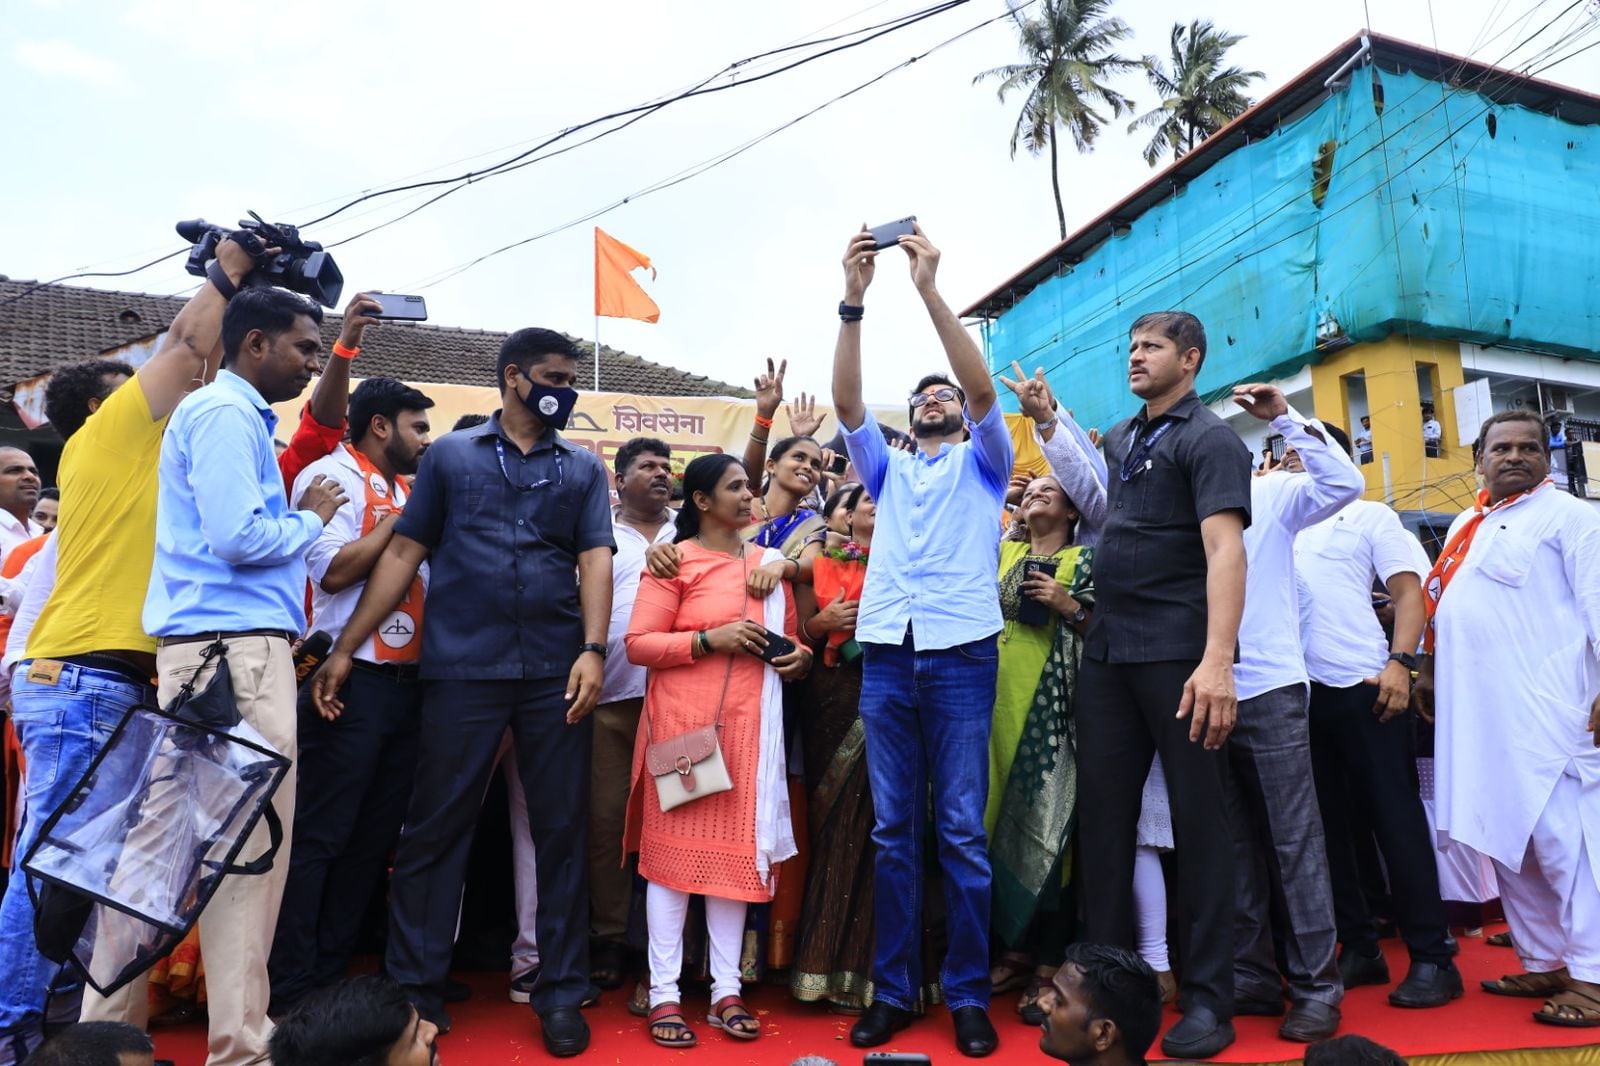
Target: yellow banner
x=605 y=421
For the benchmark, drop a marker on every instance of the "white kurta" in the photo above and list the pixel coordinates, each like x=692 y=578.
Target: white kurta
x=1517 y=665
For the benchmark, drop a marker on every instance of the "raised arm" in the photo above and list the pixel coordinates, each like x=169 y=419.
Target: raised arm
x=1074 y=462
x=966 y=361
x=859 y=264
x=1334 y=479
x=192 y=349
x=769 y=397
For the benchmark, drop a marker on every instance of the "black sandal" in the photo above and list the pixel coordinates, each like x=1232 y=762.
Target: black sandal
x=607 y=960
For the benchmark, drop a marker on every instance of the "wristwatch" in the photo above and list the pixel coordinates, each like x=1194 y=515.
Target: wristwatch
x=1080 y=616
x=1405 y=659
x=598 y=649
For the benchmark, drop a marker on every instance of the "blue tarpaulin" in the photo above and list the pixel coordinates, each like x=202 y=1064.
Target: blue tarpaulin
x=1443 y=214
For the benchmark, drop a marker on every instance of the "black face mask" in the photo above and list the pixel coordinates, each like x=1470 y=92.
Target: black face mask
x=550 y=403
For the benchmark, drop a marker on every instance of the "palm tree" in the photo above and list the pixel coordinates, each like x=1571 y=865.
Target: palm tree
x=1198 y=96
x=1068 y=55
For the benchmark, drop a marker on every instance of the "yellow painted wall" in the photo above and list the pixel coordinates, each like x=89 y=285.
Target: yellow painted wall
x=1417 y=481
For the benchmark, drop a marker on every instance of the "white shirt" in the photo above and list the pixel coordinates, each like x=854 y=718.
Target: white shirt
x=331 y=611
x=623 y=680
x=1516 y=667
x=37 y=580
x=1081 y=469
x=1281 y=505
x=1432 y=430
x=1335 y=561
x=12 y=533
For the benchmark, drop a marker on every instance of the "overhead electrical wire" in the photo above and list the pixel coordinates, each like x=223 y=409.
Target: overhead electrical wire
x=707 y=164
x=841 y=42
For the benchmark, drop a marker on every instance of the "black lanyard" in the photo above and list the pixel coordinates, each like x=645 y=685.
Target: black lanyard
x=1133 y=462
x=500 y=450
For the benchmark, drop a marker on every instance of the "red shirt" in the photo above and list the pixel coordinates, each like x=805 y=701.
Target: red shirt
x=311 y=441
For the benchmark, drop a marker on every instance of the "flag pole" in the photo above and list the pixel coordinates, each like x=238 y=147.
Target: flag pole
x=597 y=351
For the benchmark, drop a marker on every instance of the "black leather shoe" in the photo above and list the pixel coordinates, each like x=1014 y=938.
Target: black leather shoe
x=1310 y=1020
x=453 y=991
x=878 y=1024
x=975 y=1035
x=437 y=1015
x=565 y=1032
x=1258 y=1005
x=1198 y=1036
x=1427 y=985
x=1356 y=969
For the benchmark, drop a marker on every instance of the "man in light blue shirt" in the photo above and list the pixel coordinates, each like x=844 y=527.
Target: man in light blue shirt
x=228 y=568
x=929 y=616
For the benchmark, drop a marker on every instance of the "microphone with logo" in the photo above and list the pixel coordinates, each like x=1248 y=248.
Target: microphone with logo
x=310 y=655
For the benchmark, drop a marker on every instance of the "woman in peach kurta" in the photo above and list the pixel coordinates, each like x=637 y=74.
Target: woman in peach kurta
x=700 y=633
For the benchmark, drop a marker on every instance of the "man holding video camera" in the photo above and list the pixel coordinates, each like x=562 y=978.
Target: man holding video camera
x=88 y=659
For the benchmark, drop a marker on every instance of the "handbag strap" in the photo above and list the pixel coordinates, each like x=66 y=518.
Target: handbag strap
x=744 y=616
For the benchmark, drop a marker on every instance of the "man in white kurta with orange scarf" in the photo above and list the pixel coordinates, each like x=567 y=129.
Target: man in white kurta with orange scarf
x=1514 y=603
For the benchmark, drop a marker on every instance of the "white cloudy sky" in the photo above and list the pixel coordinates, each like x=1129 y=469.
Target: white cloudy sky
x=123 y=118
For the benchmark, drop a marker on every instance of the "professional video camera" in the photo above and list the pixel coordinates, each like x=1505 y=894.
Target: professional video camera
x=299 y=265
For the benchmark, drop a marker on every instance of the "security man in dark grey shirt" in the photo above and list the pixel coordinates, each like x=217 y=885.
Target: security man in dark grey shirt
x=515 y=522
x=1157 y=672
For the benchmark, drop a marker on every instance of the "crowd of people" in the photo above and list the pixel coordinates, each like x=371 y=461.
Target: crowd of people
x=894 y=721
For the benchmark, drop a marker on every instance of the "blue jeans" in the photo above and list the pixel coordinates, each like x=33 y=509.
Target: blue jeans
x=927 y=716
x=61 y=728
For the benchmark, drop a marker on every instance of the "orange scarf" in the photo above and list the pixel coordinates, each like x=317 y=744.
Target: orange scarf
x=399 y=637
x=1455 y=553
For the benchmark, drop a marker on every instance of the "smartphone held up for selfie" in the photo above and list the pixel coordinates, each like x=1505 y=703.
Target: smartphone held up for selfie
x=1031 y=612
x=889 y=234
x=400 y=307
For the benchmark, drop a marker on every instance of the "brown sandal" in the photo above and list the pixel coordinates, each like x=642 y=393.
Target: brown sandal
x=1010 y=973
x=639 y=1002
x=1501 y=939
x=1528 y=985
x=669 y=1016
x=731 y=1016
x=1577 y=1007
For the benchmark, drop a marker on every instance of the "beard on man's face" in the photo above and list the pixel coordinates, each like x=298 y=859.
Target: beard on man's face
x=943 y=426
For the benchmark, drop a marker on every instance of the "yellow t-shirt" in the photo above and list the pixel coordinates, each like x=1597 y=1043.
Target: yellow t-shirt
x=106 y=537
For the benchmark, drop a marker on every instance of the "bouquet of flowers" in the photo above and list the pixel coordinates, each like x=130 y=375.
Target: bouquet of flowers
x=842 y=568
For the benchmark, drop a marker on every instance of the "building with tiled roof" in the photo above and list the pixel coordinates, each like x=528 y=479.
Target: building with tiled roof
x=46 y=326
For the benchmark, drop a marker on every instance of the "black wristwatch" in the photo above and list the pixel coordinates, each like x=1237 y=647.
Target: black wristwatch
x=598 y=649
x=1404 y=658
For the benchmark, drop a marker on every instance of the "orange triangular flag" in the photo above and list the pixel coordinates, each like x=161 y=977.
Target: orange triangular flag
x=616 y=294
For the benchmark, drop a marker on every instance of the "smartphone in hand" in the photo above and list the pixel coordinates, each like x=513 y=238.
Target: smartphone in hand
x=1032 y=612
x=400 y=307
x=778 y=646
x=888 y=235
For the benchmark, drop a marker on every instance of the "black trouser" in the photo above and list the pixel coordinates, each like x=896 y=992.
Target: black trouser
x=1359 y=760
x=1125 y=714
x=462 y=723
x=354 y=780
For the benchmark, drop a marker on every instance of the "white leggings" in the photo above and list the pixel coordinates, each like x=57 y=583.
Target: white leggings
x=1150 y=899
x=665 y=909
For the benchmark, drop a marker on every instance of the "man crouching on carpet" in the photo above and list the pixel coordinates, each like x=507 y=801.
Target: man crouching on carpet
x=1102 y=1008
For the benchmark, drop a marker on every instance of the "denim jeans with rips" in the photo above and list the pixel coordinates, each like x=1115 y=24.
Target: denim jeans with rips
x=62 y=726
x=927 y=716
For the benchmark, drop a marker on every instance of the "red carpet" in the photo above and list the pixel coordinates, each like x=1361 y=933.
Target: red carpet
x=490 y=1031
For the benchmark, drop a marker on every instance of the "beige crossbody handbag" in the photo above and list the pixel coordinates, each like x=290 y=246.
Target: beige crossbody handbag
x=689 y=766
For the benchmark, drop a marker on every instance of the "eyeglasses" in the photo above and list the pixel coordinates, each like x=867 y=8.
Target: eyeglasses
x=942 y=395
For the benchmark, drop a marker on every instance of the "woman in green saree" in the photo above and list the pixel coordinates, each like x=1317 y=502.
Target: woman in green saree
x=1045 y=597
